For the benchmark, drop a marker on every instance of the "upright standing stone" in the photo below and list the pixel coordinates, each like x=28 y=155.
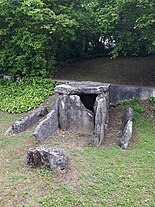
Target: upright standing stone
x=127 y=131
x=101 y=118
x=74 y=115
x=49 y=125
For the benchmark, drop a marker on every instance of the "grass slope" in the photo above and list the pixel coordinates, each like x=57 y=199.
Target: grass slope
x=97 y=177
x=124 y=70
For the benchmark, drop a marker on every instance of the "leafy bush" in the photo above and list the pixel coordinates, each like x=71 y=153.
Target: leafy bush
x=134 y=103
x=152 y=100
x=30 y=34
x=18 y=97
x=37 y=35
x=139 y=108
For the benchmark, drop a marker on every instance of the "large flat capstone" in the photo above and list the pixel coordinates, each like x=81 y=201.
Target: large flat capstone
x=82 y=88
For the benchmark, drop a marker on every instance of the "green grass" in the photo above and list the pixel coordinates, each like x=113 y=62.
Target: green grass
x=97 y=177
x=112 y=177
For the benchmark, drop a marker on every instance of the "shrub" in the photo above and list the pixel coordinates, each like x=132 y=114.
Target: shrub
x=152 y=100
x=18 y=97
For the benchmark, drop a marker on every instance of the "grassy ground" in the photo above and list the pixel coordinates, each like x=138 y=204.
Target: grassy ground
x=124 y=70
x=97 y=177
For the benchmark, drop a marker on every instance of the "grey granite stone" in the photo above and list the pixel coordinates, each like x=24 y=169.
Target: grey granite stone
x=127 y=135
x=101 y=118
x=74 y=115
x=49 y=125
x=29 y=120
x=128 y=115
x=51 y=158
x=127 y=131
x=82 y=88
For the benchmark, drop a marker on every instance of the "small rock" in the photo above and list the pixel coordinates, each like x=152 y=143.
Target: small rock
x=48 y=157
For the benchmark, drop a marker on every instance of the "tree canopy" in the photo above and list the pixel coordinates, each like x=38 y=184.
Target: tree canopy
x=36 y=35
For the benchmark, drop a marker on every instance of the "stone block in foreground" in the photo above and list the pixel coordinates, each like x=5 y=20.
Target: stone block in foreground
x=51 y=158
x=29 y=120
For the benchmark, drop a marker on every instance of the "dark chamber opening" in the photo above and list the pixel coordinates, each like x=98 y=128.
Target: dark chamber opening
x=88 y=100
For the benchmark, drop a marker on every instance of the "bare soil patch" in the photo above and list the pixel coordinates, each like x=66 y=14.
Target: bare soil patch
x=115 y=126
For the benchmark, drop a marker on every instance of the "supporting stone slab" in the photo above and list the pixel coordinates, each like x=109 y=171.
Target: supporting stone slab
x=28 y=121
x=48 y=126
x=73 y=115
x=51 y=158
x=84 y=107
x=101 y=118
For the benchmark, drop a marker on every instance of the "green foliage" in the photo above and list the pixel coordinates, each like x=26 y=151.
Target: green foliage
x=136 y=105
x=152 y=100
x=30 y=32
x=18 y=97
x=37 y=35
x=130 y=23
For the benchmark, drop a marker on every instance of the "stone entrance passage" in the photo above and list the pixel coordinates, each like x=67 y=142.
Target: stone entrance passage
x=83 y=106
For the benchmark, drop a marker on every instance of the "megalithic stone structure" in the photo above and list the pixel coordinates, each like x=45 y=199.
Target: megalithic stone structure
x=80 y=106
x=83 y=107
